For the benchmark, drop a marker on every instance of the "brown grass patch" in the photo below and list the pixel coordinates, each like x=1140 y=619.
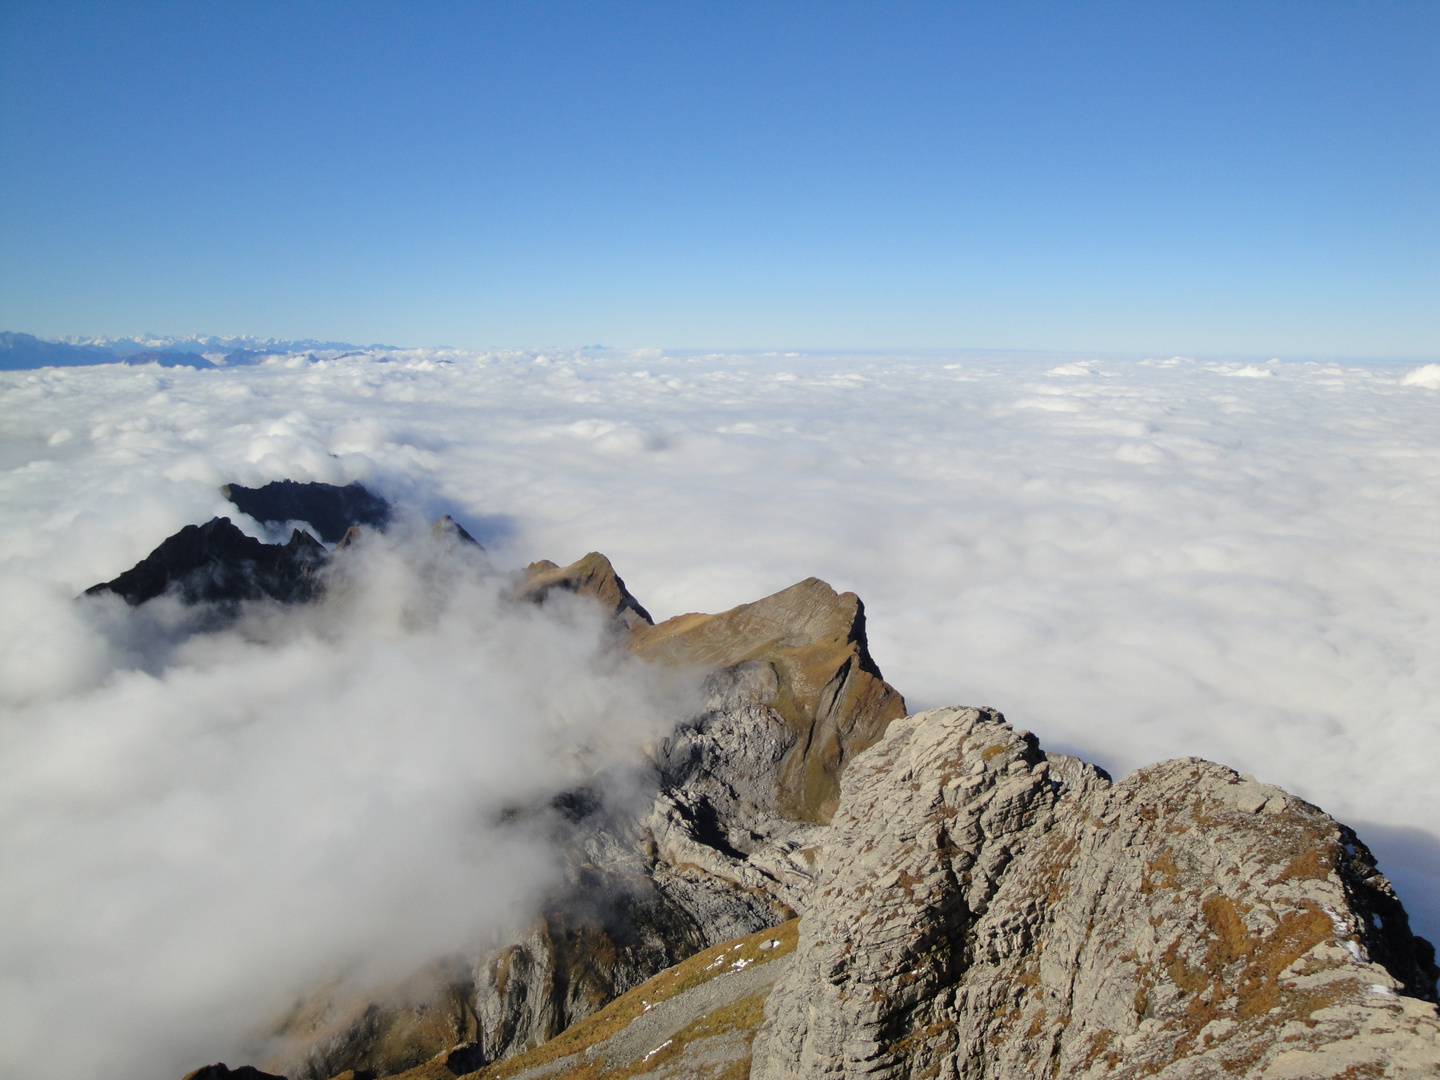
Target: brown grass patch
x=700 y=968
x=1314 y=864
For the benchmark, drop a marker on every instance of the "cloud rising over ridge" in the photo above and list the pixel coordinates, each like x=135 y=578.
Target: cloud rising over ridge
x=1135 y=559
x=222 y=822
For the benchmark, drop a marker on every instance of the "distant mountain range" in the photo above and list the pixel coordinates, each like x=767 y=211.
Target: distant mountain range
x=25 y=351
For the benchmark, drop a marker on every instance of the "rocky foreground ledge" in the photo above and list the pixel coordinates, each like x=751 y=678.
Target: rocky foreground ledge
x=822 y=886
x=987 y=909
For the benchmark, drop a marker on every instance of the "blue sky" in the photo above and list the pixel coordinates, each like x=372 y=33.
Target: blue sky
x=1163 y=178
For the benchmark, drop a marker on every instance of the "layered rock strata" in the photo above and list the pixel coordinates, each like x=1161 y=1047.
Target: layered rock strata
x=986 y=909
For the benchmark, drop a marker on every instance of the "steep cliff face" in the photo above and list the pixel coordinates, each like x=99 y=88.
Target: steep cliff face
x=988 y=910
x=803 y=656
x=985 y=909
x=726 y=848
x=976 y=907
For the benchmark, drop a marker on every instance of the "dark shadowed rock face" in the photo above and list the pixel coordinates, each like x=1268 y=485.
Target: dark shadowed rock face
x=222 y=1072
x=330 y=509
x=216 y=562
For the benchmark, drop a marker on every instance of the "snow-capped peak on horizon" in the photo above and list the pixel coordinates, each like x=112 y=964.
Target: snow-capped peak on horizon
x=249 y=342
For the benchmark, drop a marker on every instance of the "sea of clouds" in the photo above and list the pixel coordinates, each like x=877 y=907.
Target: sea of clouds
x=1135 y=559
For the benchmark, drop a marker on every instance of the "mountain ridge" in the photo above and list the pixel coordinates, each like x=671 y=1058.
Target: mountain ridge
x=967 y=904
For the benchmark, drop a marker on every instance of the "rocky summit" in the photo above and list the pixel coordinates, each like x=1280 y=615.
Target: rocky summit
x=814 y=884
x=328 y=509
x=217 y=563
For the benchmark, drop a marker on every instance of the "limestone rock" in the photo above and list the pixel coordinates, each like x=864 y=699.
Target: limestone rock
x=985 y=909
x=724 y=850
x=821 y=684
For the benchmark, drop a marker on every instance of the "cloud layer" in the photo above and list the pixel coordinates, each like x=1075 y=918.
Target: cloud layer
x=1135 y=559
x=210 y=825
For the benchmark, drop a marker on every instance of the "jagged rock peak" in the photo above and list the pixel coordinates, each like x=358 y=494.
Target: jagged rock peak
x=726 y=849
x=805 y=647
x=985 y=909
x=329 y=509
x=217 y=562
x=591 y=576
x=448 y=529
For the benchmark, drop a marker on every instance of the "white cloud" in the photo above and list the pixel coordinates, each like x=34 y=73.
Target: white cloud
x=1148 y=565
x=1425 y=375
x=197 y=829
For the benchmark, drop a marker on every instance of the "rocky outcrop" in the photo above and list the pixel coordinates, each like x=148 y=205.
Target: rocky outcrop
x=328 y=509
x=969 y=905
x=988 y=910
x=802 y=656
x=724 y=847
x=222 y=1072
x=217 y=563
x=591 y=576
